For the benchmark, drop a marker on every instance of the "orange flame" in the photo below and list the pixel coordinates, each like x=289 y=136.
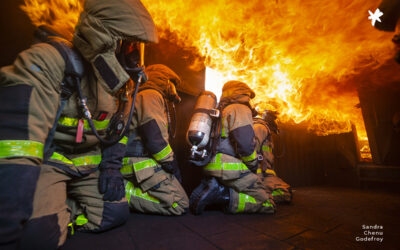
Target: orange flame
x=298 y=55
x=59 y=15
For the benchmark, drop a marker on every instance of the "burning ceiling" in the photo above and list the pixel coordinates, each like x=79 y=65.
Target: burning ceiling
x=300 y=56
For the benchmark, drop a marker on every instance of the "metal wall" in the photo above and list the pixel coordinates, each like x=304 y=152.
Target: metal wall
x=304 y=159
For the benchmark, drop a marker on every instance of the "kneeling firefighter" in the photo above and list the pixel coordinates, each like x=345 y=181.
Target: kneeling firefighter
x=150 y=168
x=60 y=126
x=263 y=129
x=230 y=180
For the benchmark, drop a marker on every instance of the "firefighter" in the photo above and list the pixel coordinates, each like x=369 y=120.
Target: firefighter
x=79 y=183
x=150 y=166
x=230 y=178
x=264 y=128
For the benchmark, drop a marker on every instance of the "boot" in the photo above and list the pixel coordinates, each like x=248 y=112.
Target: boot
x=209 y=192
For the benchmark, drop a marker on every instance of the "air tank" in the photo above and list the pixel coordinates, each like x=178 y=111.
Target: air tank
x=198 y=134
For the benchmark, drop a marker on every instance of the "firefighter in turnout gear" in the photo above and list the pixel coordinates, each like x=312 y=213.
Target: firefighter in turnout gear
x=79 y=180
x=230 y=177
x=150 y=167
x=263 y=129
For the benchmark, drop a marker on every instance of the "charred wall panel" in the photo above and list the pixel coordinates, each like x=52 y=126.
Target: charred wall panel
x=381 y=111
x=304 y=159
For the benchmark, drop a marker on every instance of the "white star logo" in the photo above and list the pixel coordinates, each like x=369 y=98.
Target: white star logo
x=375 y=16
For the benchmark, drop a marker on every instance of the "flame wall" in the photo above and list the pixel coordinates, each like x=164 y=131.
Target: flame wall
x=299 y=55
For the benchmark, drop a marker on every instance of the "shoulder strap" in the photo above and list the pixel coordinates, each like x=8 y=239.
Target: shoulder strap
x=74 y=68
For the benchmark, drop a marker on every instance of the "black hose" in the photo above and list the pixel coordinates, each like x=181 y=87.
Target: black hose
x=88 y=115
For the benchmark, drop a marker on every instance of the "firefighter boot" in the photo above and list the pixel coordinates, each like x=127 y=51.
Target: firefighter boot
x=209 y=192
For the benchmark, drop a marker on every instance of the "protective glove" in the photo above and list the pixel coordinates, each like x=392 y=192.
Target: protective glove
x=111 y=184
x=172 y=168
x=252 y=165
x=111 y=181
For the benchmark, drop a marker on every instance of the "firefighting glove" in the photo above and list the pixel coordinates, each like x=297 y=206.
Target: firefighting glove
x=111 y=182
x=172 y=168
x=252 y=165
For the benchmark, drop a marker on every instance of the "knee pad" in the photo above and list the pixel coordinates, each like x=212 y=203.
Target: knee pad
x=41 y=233
x=114 y=214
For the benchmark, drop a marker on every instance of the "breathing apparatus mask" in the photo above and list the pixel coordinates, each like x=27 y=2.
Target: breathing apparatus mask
x=130 y=56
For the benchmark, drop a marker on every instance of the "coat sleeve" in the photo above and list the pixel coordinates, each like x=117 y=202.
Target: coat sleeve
x=153 y=125
x=29 y=99
x=241 y=132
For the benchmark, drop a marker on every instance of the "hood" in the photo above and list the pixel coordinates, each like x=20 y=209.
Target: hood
x=158 y=76
x=236 y=92
x=103 y=22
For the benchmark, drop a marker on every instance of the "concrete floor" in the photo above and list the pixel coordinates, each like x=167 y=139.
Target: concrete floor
x=318 y=218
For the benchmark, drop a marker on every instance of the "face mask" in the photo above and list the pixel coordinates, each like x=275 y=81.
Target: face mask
x=131 y=57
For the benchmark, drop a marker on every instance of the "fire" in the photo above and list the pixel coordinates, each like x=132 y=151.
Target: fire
x=300 y=56
x=59 y=15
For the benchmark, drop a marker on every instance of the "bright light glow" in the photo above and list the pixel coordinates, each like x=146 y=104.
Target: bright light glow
x=214 y=82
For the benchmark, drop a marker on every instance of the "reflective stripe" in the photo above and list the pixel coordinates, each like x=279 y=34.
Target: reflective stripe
x=223 y=133
x=277 y=192
x=175 y=205
x=163 y=153
x=78 y=162
x=259 y=170
x=270 y=171
x=250 y=157
x=131 y=190
x=268 y=204
x=127 y=168
x=79 y=221
x=73 y=122
x=124 y=140
x=243 y=198
x=218 y=165
x=20 y=148
x=266 y=148
x=226 y=166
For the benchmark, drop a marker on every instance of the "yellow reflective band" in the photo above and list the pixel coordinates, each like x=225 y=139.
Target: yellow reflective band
x=124 y=140
x=259 y=170
x=73 y=122
x=129 y=168
x=277 y=192
x=71 y=225
x=250 y=157
x=87 y=160
x=78 y=162
x=59 y=157
x=131 y=190
x=268 y=204
x=226 y=166
x=266 y=149
x=270 y=171
x=81 y=220
x=175 y=205
x=243 y=198
x=163 y=153
x=218 y=165
x=223 y=133
x=20 y=148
